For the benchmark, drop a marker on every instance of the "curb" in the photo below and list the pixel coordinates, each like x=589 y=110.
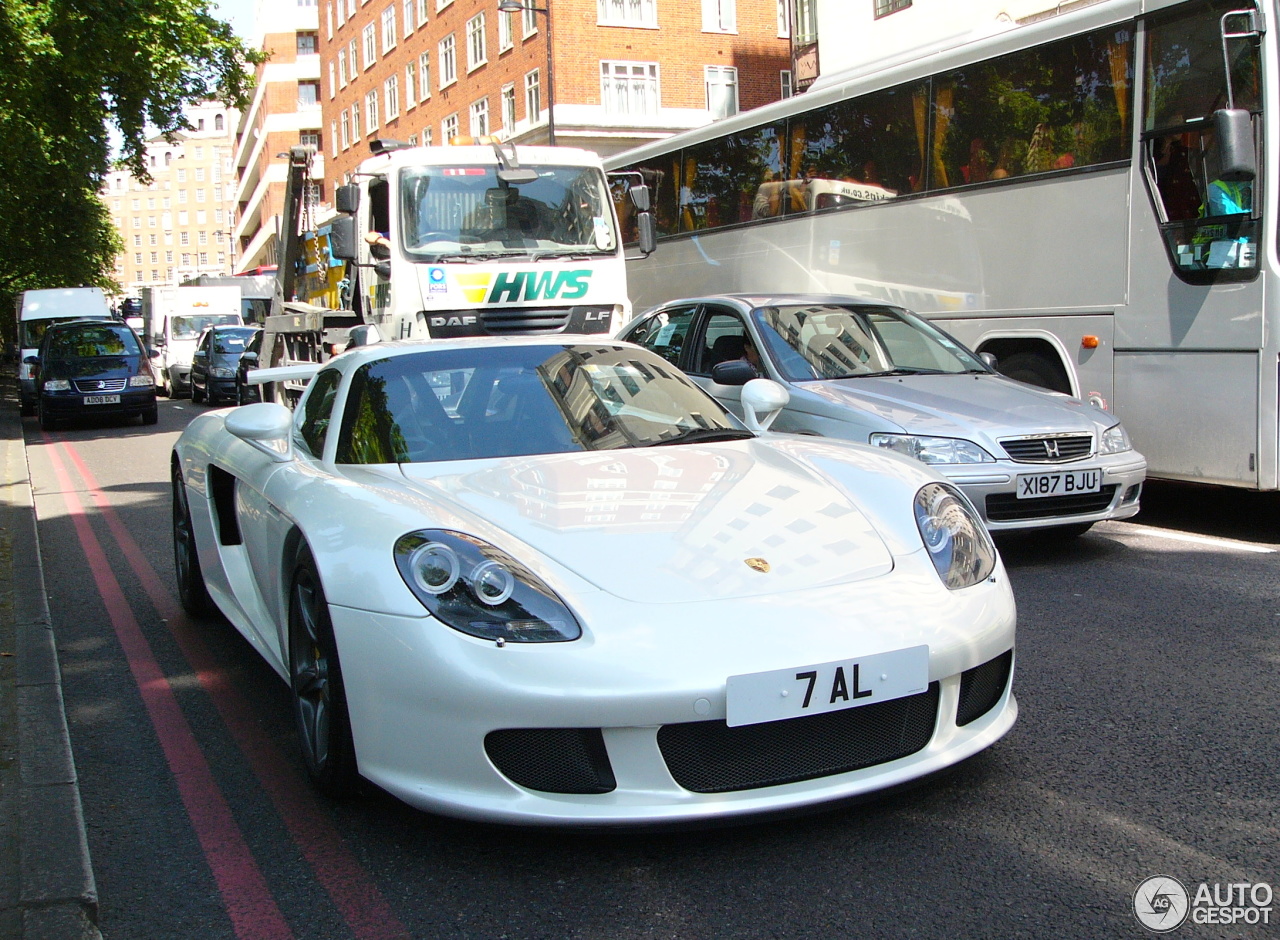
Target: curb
x=47 y=888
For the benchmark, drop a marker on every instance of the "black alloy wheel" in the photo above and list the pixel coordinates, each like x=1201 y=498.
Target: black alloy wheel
x=319 y=698
x=192 y=592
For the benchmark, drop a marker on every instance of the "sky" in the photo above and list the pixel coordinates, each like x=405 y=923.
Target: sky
x=239 y=13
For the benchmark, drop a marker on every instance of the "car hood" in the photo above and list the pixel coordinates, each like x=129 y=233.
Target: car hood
x=990 y=406
x=670 y=524
x=97 y=367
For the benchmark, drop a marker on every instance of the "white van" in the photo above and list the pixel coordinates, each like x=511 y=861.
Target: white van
x=174 y=318
x=36 y=309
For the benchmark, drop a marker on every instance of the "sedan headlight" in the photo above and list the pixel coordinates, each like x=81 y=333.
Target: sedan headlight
x=57 y=385
x=1114 y=440
x=223 y=372
x=957 y=540
x=933 y=450
x=480 y=590
x=143 y=380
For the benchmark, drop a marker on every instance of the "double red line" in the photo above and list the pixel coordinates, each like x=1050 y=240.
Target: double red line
x=249 y=903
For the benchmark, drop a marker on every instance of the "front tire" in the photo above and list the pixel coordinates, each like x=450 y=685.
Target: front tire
x=197 y=396
x=47 y=422
x=151 y=415
x=319 y=697
x=192 y=592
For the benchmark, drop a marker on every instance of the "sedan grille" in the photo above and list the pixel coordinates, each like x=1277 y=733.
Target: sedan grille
x=711 y=757
x=1050 y=448
x=95 y=386
x=1006 y=507
x=553 y=760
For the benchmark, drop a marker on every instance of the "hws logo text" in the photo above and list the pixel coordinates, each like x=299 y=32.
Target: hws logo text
x=515 y=286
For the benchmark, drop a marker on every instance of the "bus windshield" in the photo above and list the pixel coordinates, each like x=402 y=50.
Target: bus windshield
x=467 y=210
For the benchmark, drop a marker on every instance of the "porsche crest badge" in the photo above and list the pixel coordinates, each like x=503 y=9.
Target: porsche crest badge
x=757 y=564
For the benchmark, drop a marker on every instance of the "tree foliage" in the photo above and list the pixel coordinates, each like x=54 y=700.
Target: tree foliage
x=70 y=70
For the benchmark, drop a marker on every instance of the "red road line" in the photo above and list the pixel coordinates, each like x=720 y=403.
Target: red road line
x=249 y=903
x=353 y=893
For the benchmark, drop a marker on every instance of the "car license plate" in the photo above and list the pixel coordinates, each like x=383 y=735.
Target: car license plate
x=1039 y=485
x=102 y=399
x=809 y=690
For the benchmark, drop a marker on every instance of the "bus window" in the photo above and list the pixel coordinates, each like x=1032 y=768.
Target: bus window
x=722 y=178
x=1055 y=107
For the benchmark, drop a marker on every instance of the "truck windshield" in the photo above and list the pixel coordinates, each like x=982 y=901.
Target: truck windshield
x=451 y=210
x=190 y=327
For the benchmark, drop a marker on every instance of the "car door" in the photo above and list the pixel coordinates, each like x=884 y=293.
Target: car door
x=200 y=362
x=721 y=336
x=664 y=332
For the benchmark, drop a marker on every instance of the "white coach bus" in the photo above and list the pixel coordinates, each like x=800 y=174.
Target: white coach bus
x=1091 y=198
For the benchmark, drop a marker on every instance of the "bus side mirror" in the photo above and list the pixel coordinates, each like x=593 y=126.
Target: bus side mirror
x=646 y=232
x=342 y=238
x=1234 y=129
x=346 y=199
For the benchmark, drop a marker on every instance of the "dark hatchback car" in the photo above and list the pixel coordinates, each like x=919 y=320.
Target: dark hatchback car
x=91 y=368
x=216 y=361
x=247 y=394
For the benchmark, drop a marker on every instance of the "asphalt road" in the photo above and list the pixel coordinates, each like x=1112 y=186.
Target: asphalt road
x=1148 y=678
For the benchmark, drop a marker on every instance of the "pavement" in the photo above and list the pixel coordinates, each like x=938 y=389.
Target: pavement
x=47 y=890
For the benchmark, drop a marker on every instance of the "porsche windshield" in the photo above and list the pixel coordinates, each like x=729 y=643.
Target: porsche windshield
x=496 y=401
x=456 y=212
x=831 y=341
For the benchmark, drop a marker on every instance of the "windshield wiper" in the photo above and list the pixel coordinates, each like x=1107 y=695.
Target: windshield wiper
x=473 y=256
x=898 y=371
x=691 y=435
x=573 y=254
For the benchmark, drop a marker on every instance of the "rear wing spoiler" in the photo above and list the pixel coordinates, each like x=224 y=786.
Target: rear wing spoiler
x=300 y=372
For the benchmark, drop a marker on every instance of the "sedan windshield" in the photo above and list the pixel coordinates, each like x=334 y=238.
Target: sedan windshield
x=830 y=341
x=468 y=211
x=496 y=401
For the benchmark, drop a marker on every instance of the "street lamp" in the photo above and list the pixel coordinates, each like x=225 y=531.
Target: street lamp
x=519 y=6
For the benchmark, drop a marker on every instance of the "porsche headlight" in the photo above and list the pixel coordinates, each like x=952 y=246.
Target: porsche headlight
x=1114 y=440
x=957 y=540
x=478 y=589
x=933 y=450
x=57 y=385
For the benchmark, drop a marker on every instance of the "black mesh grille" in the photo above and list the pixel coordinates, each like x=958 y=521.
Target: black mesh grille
x=1049 y=449
x=554 y=760
x=982 y=686
x=1006 y=507
x=711 y=757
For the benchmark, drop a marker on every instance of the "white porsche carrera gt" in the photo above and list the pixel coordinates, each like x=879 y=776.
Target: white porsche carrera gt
x=550 y=580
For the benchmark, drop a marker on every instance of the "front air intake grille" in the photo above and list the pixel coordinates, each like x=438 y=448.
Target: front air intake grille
x=1006 y=507
x=711 y=757
x=553 y=760
x=982 y=686
x=98 y=386
x=1050 y=448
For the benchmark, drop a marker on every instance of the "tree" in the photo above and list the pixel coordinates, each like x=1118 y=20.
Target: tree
x=69 y=70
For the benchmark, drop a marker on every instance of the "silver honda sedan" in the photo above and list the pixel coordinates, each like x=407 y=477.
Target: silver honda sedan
x=875 y=373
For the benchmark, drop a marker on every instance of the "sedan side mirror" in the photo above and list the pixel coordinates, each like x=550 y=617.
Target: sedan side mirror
x=989 y=359
x=199 y=354
x=762 y=400
x=733 y=372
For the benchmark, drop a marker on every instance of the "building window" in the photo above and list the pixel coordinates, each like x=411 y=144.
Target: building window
x=308 y=44
x=722 y=90
x=784 y=19
x=480 y=118
x=424 y=76
x=391 y=92
x=344 y=129
x=441 y=4
x=413 y=140
x=370 y=45
x=529 y=21
x=630 y=12
x=448 y=62
x=310 y=139
x=449 y=127
x=371 y=112
x=184 y=238
x=199 y=179
x=787 y=83
x=532 y=97
x=410 y=22
x=428 y=135
x=422 y=12
x=308 y=94
x=719 y=16
x=509 y=108
x=333 y=81
x=388 y=29
x=342 y=68
x=355 y=122
x=137 y=257
x=885 y=7
x=629 y=87
x=217 y=126
x=805 y=25
x=328 y=16
x=477 y=55
x=351 y=60
x=505 y=41
x=333 y=144
x=410 y=85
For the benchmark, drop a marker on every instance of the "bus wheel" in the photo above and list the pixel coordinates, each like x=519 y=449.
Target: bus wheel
x=1034 y=369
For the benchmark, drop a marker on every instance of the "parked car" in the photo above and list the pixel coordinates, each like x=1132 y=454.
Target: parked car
x=216 y=361
x=878 y=374
x=36 y=310
x=247 y=394
x=550 y=580
x=91 y=368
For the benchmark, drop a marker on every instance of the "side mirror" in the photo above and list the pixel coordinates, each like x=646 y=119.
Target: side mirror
x=647 y=232
x=342 y=238
x=382 y=269
x=762 y=400
x=1234 y=128
x=733 y=372
x=363 y=335
x=159 y=341
x=32 y=360
x=989 y=358
x=153 y=353
x=199 y=354
x=249 y=357
x=346 y=199
x=639 y=194
x=266 y=426
x=379 y=251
